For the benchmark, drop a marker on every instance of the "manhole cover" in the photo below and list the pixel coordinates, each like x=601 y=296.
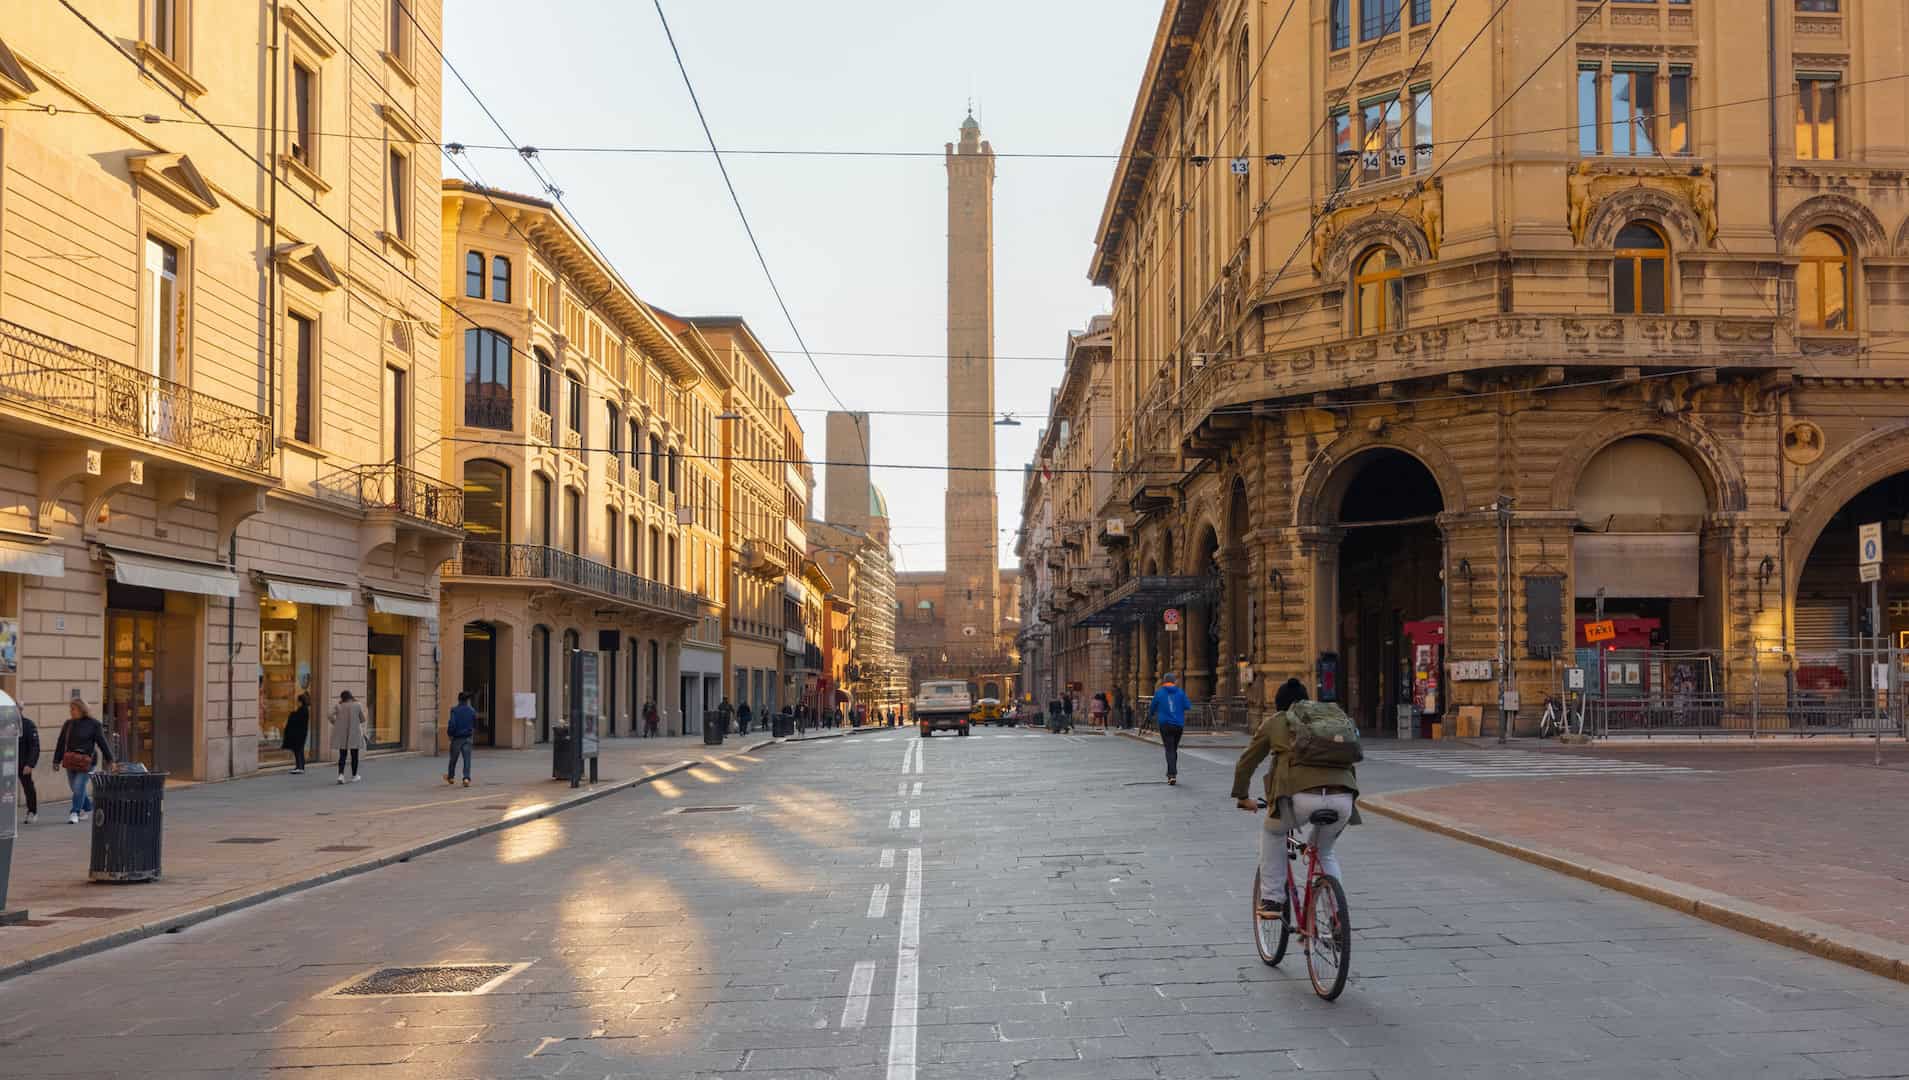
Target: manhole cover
x=248 y=840
x=443 y=979
x=94 y=913
x=346 y=847
x=706 y=810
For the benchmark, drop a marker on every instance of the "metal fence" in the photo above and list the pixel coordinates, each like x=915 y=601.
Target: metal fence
x=1832 y=691
x=1214 y=716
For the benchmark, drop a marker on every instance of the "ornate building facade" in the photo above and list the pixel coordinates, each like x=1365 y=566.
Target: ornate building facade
x=1428 y=356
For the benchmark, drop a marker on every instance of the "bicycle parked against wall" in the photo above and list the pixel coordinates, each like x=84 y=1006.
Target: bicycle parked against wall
x=1560 y=719
x=1324 y=923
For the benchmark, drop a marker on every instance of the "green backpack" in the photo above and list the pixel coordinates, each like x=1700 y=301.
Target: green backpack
x=1324 y=737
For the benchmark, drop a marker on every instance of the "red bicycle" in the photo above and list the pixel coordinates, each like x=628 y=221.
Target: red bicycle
x=1324 y=926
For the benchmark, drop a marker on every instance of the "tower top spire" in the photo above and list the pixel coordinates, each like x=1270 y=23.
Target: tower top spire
x=970 y=132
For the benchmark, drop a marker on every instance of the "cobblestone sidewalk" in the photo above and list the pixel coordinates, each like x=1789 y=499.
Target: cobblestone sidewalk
x=1807 y=853
x=230 y=844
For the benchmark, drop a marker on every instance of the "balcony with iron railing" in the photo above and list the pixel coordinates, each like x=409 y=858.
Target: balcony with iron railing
x=537 y=564
x=487 y=407
x=397 y=489
x=84 y=393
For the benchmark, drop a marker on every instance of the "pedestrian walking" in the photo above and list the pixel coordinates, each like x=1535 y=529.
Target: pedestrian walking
x=78 y=750
x=1097 y=711
x=1067 y=711
x=462 y=729
x=744 y=714
x=297 y=731
x=29 y=761
x=348 y=733
x=1169 y=712
x=650 y=719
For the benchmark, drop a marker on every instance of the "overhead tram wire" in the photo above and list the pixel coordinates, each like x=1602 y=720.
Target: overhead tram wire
x=747 y=229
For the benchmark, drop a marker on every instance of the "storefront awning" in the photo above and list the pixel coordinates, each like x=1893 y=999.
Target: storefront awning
x=20 y=559
x=174 y=575
x=386 y=604
x=1632 y=565
x=318 y=594
x=1145 y=597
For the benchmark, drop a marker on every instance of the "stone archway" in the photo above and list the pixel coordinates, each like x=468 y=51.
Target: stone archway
x=1327 y=476
x=1200 y=623
x=1838 y=479
x=1713 y=464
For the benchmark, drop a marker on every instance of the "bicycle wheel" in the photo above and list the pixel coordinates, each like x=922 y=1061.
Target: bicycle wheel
x=1545 y=725
x=1269 y=935
x=1329 y=948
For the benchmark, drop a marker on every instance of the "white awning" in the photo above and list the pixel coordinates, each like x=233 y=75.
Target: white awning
x=175 y=575
x=386 y=604
x=1625 y=565
x=315 y=593
x=20 y=559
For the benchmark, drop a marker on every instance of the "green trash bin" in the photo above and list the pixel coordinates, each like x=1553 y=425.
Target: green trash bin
x=128 y=824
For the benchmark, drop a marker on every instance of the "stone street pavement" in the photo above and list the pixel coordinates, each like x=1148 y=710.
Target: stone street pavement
x=889 y=908
x=1810 y=837
x=224 y=842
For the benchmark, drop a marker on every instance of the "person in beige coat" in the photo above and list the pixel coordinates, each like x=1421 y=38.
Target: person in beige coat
x=347 y=732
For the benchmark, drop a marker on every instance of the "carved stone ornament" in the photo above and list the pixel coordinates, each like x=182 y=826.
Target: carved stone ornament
x=1410 y=221
x=1802 y=443
x=1603 y=198
x=1840 y=211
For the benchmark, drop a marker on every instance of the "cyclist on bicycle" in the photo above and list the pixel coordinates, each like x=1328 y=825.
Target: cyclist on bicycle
x=1304 y=778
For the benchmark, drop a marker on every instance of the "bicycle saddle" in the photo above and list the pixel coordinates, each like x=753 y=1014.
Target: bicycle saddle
x=1324 y=817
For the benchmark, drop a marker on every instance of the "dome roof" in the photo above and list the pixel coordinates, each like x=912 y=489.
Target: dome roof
x=877 y=502
x=970 y=124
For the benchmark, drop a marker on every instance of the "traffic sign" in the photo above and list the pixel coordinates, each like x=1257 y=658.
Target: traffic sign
x=1605 y=630
x=1869 y=571
x=1869 y=543
x=1172 y=617
x=1574 y=678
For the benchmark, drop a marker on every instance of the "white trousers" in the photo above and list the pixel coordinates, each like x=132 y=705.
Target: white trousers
x=1272 y=841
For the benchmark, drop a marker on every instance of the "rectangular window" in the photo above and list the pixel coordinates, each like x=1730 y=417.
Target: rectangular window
x=1378 y=18
x=397 y=404
x=613 y=522
x=575 y=389
x=1344 y=157
x=1341 y=23
x=614 y=434
x=500 y=279
x=398 y=31
x=304 y=392
x=304 y=115
x=636 y=451
x=1380 y=157
x=573 y=519
x=1633 y=107
x=1818 y=5
x=165 y=300
x=398 y=175
x=474 y=274
x=1589 y=119
x=540 y=509
x=1422 y=128
x=1676 y=135
x=656 y=460
x=1421 y=12
x=1816 y=108
x=164 y=31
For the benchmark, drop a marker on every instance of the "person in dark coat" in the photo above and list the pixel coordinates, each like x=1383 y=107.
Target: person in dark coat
x=650 y=719
x=82 y=737
x=725 y=712
x=744 y=714
x=29 y=761
x=297 y=731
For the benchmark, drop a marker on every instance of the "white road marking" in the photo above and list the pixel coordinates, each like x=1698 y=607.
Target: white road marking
x=888 y=857
x=855 y=1010
x=914 y=819
x=878 y=901
x=917 y=791
x=908 y=756
x=894 y=819
x=901 y=1024
x=921 y=753
x=901 y=787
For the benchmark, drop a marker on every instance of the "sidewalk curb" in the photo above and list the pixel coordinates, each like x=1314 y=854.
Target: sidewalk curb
x=1872 y=954
x=192 y=916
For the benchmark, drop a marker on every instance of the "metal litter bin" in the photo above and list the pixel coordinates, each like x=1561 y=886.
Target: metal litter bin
x=560 y=751
x=713 y=728
x=128 y=824
x=783 y=726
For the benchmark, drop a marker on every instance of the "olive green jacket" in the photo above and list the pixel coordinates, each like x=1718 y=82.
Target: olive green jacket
x=1275 y=737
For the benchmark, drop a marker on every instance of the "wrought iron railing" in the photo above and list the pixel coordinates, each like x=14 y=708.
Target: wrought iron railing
x=487 y=410
x=63 y=381
x=404 y=491
x=484 y=559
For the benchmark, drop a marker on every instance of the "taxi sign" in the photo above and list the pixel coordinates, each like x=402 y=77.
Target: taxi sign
x=1604 y=630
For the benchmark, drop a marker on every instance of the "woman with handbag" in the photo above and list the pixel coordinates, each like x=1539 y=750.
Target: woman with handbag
x=78 y=749
x=347 y=733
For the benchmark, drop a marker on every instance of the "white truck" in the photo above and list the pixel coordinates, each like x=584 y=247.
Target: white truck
x=943 y=706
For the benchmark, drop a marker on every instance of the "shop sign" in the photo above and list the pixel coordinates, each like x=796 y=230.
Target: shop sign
x=1604 y=630
x=1471 y=670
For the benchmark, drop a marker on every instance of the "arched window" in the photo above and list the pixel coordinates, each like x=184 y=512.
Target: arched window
x=500 y=279
x=486 y=379
x=1823 y=282
x=486 y=508
x=544 y=515
x=1242 y=69
x=474 y=275
x=1640 y=266
x=1378 y=292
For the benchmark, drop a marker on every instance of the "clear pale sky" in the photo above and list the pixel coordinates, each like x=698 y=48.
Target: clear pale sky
x=858 y=245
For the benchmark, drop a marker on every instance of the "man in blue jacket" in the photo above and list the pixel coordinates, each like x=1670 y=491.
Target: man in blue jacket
x=462 y=727
x=1169 y=712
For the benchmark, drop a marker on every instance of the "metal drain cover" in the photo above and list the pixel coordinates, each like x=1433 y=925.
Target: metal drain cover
x=345 y=847
x=439 y=980
x=708 y=809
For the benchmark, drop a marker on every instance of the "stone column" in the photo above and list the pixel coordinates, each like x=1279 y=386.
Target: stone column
x=1319 y=554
